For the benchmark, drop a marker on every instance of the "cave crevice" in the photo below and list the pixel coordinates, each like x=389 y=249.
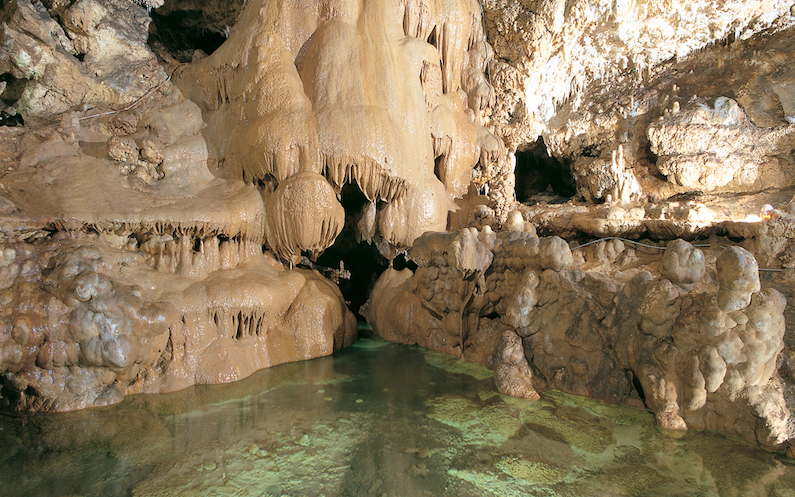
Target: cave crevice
x=362 y=259
x=11 y=91
x=185 y=35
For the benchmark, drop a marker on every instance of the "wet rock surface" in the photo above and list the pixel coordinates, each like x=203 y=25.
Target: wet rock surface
x=128 y=266
x=699 y=349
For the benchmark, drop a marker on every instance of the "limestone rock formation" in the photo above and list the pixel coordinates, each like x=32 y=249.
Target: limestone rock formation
x=128 y=267
x=700 y=352
x=390 y=96
x=550 y=51
x=718 y=148
x=249 y=151
x=95 y=56
x=143 y=289
x=709 y=123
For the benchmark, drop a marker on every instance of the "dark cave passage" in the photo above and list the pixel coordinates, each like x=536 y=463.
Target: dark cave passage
x=11 y=90
x=362 y=259
x=538 y=175
x=184 y=34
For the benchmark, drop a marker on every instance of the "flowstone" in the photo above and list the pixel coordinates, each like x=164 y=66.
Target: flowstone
x=388 y=95
x=153 y=212
x=156 y=210
x=112 y=288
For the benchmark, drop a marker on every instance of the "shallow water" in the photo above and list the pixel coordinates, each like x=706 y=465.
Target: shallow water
x=375 y=419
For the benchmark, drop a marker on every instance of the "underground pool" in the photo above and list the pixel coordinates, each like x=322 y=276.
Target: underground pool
x=376 y=419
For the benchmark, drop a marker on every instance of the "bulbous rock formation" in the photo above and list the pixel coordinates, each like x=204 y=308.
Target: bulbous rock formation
x=106 y=324
x=300 y=101
x=683 y=264
x=115 y=289
x=128 y=267
x=380 y=94
x=700 y=353
x=303 y=214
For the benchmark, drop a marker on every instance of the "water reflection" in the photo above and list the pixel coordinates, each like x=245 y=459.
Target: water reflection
x=376 y=419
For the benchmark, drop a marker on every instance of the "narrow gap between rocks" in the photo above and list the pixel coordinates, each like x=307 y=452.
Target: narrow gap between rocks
x=11 y=90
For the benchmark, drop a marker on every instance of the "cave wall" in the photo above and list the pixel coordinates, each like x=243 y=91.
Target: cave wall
x=674 y=120
x=686 y=333
x=390 y=96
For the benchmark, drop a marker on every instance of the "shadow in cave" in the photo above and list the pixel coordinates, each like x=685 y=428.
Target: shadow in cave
x=11 y=90
x=541 y=178
x=184 y=34
x=362 y=259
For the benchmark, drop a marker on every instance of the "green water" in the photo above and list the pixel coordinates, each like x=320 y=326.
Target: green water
x=377 y=419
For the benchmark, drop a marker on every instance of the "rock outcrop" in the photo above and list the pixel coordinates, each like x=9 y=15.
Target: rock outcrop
x=697 y=346
x=132 y=269
x=390 y=96
x=715 y=122
x=550 y=53
x=128 y=267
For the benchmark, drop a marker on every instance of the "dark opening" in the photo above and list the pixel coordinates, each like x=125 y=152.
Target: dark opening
x=239 y=332
x=10 y=118
x=437 y=168
x=10 y=397
x=400 y=263
x=637 y=386
x=11 y=90
x=181 y=32
x=362 y=259
x=432 y=37
x=541 y=178
x=650 y=159
x=591 y=151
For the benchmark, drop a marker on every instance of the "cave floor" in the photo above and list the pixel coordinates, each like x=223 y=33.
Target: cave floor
x=375 y=419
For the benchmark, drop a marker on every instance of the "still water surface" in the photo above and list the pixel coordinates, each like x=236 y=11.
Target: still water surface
x=376 y=419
